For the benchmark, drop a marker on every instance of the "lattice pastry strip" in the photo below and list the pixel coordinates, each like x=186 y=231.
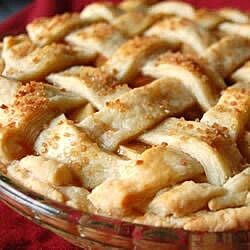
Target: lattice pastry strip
x=24 y=61
x=237 y=195
x=203 y=83
x=234 y=15
x=46 y=30
x=235 y=29
x=218 y=155
x=157 y=221
x=64 y=141
x=130 y=23
x=220 y=221
x=178 y=30
x=184 y=199
x=172 y=8
x=132 y=150
x=134 y=23
x=232 y=111
x=99 y=38
x=33 y=106
x=24 y=178
x=29 y=172
x=93 y=84
x=208 y=19
x=57 y=173
x=205 y=18
x=228 y=54
x=130 y=115
x=79 y=114
x=76 y=197
x=157 y=167
x=230 y=200
x=100 y=11
x=224 y=220
x=126 y=62
x=134 y=5
x=240 y=182
x=242 y=74
x=8 y=91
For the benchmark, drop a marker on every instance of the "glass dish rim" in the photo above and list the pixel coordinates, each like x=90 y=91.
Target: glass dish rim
x=42 y=206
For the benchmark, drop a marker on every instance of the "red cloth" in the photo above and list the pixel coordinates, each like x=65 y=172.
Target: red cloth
x=38 y=8
x=17 y=232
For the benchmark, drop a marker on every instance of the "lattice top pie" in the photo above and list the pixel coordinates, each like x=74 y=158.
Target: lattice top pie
x=139 y=111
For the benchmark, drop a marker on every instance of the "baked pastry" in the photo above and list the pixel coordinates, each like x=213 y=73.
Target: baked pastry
x=101 y=38
x=44 y=30
x=139 y=111
x=25 y=61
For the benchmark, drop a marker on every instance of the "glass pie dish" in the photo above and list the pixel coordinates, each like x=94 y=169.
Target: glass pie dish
x=91 y=231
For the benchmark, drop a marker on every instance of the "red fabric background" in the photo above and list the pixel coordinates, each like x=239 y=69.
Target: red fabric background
x=17 y=232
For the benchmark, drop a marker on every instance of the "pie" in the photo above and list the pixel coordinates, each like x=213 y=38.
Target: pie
x=139 y=111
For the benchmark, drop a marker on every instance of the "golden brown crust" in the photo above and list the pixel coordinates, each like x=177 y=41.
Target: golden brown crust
x=239 y=182
x=134 y=23
x=63 y=141
x=235 y=48
x=235 y=29
x=93 y=84
x=100 y=11
x=125 y=63
x=175 y=8
x=203 y=83
x=79 y=114
x=237 y=192
x=229 y=219
x=100 y=38
x=135 y=5
x=25 y=179
x=209 y=145
x=157 y=221
x=234 y=15
x=34 y=105
x=156 y=168
x=8 y=91
x=184 y=199
x=47 y=30
x=135 y=111
x=230 y=200
x=76 y=197
x=231 y=112
x=208 y=19
x=132 y=150
x=24 y=61
x=180 y=30
x=56 y=173
x=242 y=74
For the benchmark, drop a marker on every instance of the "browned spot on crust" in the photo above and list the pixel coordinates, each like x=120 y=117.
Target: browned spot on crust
x=100 y=30
x=118 y=105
